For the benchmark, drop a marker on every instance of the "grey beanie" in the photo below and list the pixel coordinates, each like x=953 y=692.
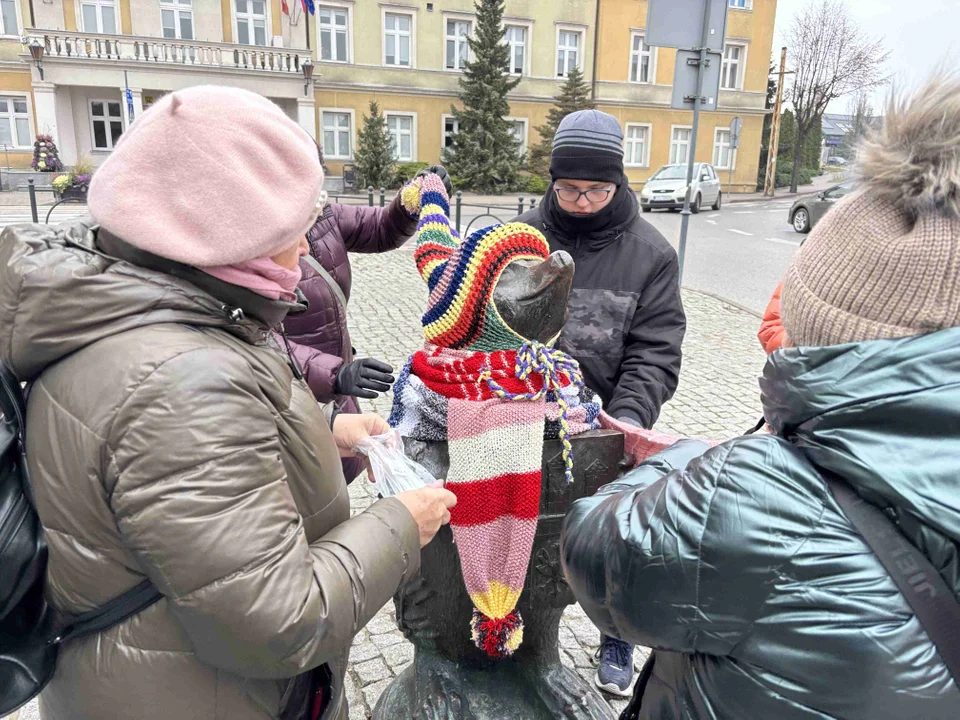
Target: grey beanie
x=588 y=145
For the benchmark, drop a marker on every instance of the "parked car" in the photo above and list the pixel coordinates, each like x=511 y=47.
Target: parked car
x=807 y=211
x=837 y=161
x=667 y=188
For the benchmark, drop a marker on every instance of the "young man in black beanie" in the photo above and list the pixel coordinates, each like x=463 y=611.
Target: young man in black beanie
x=626 y=320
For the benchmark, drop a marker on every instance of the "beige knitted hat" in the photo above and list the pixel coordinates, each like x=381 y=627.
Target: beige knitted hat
x=885 y=261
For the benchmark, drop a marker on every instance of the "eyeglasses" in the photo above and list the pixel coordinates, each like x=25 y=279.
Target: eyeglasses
x=594 y=195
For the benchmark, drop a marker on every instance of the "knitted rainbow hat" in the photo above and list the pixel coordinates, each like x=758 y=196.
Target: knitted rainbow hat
x=461 y=276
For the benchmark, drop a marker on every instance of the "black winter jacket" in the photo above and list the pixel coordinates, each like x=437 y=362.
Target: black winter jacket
x=626 y=320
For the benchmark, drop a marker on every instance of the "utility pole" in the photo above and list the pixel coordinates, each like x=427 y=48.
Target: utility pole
x=770 y=185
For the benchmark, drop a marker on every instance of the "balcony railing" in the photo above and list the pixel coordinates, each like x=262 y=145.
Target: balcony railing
x=129 y=48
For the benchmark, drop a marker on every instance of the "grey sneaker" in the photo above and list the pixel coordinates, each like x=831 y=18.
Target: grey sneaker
x=615 y=671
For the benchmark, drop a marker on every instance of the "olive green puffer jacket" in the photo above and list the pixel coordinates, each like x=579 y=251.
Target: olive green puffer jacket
x=167 y=438
x=760 y=597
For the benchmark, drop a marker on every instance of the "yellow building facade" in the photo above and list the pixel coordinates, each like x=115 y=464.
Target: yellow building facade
x=105 y=61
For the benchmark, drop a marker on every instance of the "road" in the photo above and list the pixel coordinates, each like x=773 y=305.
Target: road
x=739 y=253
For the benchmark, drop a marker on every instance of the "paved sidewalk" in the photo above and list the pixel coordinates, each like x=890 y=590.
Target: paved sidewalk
x=718 y=398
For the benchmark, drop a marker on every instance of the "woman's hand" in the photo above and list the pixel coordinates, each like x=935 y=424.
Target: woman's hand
x=430 y=508
x=349 y=430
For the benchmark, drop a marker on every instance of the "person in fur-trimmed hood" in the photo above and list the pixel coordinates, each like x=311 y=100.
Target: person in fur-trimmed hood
x=737 y=564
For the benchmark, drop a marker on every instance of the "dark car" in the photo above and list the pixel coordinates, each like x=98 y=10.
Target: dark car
x=807 y=211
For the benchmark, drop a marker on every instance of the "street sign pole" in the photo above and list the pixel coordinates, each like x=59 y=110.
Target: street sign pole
x=685 y=213
x=736 y=126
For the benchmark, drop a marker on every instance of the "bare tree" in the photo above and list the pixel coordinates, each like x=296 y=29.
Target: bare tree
x=832 y=58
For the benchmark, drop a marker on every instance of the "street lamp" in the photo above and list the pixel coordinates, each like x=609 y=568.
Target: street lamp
x=36 y=52
x=307 y=68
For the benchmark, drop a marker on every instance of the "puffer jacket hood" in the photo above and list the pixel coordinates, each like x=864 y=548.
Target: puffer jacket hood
x=168 y=438
x=737 y=565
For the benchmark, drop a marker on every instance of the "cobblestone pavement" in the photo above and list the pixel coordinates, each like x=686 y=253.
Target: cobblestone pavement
x=717 y=399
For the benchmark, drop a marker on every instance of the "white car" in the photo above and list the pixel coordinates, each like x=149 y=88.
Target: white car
x=667 y=188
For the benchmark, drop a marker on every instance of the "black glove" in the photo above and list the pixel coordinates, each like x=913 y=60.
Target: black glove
x=365 y=378
x=441 y=172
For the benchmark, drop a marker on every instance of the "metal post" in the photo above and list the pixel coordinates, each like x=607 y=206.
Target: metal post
x=520 y=205
x=370 y=195
x=691 y=161
x=383 y=196
x=459 y=201
x=770 y=183
x=32 y=191
x=533 y=203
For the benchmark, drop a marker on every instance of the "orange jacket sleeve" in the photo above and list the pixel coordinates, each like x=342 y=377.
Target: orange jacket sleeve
x=771 y=329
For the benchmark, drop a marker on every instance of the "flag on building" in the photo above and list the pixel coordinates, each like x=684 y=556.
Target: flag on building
x=284 y=8
x=308 y=6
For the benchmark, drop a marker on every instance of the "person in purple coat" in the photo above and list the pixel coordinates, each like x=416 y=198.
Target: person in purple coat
x=319 y=338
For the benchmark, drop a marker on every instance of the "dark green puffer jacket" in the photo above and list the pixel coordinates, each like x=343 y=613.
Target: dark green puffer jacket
x=738 y=566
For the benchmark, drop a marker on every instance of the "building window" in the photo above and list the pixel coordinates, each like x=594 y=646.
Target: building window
x=680 y=146
x=14 y=122
x=741 y=4
x=252 y=22
x=176 y=17
x=518 y=128
x=516 y=37
x=334 y=24
x=568 y=51
x=8 y=18
x=106 y=123
x=641 y=60
x=458 y=51
x=336 y=135
x=400 y=128
x=723 y=154
x=730 y=70
x=450 y=128
x=99 y=16
x=637 y=149
x=397 y=39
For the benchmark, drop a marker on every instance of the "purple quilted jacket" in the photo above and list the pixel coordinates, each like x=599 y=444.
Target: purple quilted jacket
x=319 y=337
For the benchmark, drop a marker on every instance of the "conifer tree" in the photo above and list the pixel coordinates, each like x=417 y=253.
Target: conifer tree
x=374 y=157
x=574 y=95
x=485 y=155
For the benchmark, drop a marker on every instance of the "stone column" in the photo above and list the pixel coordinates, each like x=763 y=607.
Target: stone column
x=45 y=103
x=307 y=115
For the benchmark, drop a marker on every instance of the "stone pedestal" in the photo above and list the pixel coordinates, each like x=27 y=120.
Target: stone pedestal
x=450 y=678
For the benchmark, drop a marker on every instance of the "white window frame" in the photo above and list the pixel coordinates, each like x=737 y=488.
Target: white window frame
x=747 y=5
x=627 y=142
x=353 y=132
x=13 y=115
x=731 y=153
x=471 y=22
x=93 y=135
x=335 y=5
x=176 y=8
x=443 y=130
x=581 y=49
x=639 y=55
x=5 y=32
x=741 y=65
x=527 y=27
x=99 y=4
x=673 y=130
x=525 y=140
x=413 y=131
x=268 y=24
x=411 y=12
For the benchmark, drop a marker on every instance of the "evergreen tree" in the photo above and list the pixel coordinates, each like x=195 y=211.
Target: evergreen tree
x=574 y=95
x=485 y=156
x=374 y=155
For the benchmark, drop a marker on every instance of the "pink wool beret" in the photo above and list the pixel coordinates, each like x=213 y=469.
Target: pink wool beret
x=210 y=176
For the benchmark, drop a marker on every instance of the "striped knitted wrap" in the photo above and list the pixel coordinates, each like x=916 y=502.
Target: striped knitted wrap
x=462 y=275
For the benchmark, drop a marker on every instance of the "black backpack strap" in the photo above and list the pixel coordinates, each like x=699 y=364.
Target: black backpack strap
x=135 y=600
x=14 y=398
x=932 y=600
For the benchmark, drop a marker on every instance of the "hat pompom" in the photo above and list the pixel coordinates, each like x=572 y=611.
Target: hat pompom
x=497 y=637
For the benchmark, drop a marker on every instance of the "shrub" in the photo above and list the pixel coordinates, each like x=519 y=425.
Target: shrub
x=407 y=171
x=784 y=172
x=534 y=184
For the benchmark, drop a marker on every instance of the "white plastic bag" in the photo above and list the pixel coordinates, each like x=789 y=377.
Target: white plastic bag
x=393 y=472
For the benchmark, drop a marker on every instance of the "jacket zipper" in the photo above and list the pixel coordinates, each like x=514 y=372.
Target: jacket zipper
x=13 y=522
x=297 y=372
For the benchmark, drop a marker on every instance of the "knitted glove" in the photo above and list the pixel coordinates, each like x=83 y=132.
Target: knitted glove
x=441 y=172
x=365 y=378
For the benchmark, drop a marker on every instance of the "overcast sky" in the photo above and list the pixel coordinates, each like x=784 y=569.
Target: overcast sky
x=919 y=34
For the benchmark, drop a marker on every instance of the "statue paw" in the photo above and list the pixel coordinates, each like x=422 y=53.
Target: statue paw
x=414 y=617
x=567 y=695
x=442 y=702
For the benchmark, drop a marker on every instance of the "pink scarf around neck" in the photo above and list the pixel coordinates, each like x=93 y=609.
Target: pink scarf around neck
x=262 y=276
